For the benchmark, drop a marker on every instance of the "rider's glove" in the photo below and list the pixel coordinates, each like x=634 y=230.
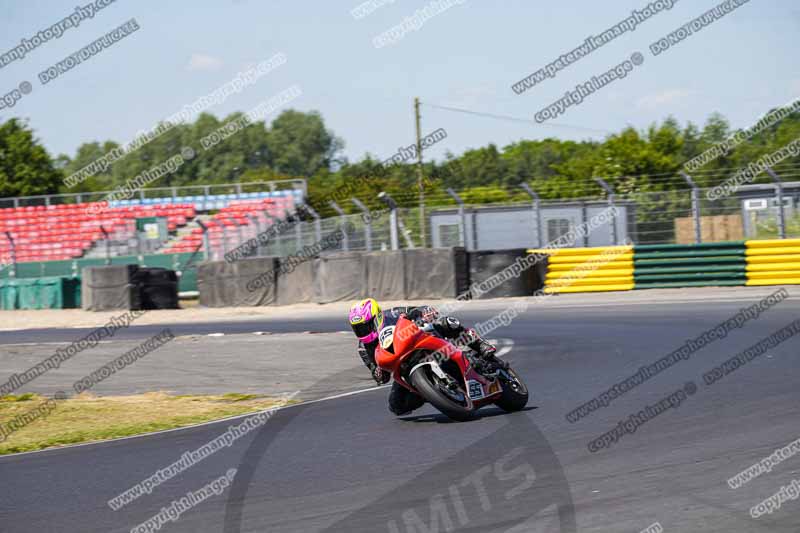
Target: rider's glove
x=427 y=327
x=380 y=376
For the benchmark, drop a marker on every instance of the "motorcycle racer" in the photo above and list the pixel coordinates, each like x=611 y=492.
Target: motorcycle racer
x=367 y=319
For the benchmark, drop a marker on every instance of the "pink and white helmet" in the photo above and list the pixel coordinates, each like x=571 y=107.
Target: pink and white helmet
x=366 y=319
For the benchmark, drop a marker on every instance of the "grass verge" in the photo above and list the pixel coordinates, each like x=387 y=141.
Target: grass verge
x=88 y=418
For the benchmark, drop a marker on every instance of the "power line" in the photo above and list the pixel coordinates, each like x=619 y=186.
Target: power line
x=514 y=119
x=552 y=124
x=669 y=175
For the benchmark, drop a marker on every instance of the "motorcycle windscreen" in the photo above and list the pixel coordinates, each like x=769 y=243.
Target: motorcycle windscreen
x=406 y=335
x=409 y=338
x=395 y=342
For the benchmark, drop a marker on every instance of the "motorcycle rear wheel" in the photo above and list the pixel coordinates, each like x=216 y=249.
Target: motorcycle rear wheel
x=425 y=383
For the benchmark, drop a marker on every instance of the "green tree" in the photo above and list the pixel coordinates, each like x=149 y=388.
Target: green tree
x=88 y=153
x=299 y=144
x=25 y=166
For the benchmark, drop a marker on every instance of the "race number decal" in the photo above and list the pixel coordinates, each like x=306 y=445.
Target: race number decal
x=386 y=337
x=475 y=389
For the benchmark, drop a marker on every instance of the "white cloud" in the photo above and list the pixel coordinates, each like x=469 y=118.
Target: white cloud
x=204 y=62
x=664 y=98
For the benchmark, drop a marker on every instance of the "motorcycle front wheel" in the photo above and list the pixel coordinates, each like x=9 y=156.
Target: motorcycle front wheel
x=515 y=392
x=432 y=389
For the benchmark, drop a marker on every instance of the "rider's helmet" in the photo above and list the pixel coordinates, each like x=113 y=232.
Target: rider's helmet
x=366 y=319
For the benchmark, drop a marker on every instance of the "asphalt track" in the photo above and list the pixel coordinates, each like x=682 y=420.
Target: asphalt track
x=346 y=464
x=324 y=325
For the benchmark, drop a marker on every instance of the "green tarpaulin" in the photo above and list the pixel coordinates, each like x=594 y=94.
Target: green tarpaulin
x=40 y=293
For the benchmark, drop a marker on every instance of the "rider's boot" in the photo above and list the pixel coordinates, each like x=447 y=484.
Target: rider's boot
x=488 y=362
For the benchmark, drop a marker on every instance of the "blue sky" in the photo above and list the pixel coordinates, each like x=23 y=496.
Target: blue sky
x=467 y=56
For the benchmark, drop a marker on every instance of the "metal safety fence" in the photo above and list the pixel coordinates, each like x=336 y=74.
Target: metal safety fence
x=519 y=218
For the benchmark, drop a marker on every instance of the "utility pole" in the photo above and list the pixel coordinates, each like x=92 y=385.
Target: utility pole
x=419 y=175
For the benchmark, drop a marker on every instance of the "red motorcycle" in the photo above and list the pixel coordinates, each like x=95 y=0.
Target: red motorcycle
x=442 y=373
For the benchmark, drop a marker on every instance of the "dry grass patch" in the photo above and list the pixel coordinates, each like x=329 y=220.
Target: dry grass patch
x=88 y=418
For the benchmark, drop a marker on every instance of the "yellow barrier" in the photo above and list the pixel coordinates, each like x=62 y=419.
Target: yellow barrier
x=618 y=280
x=607 y=273
x=766 y=259
x=773 y=243
x=611 y=268
x=581 y=251
x=611 y=265
x=607 y=268
x=607 y=257
x=774 y=274
x=786 y=250
x=773 y=262
x=782 y=281
x=771 y=267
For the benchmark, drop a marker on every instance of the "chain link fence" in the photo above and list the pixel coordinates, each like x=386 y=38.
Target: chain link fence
x=678 y=216
x=359 y=233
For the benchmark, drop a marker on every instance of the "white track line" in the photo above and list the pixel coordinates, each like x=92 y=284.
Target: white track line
x=220 y=421
x=502 y=352
x=64 y=343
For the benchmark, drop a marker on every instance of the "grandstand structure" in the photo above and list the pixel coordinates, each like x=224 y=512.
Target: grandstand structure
x=64 y=228
x=237 y=221
x=69 y=231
